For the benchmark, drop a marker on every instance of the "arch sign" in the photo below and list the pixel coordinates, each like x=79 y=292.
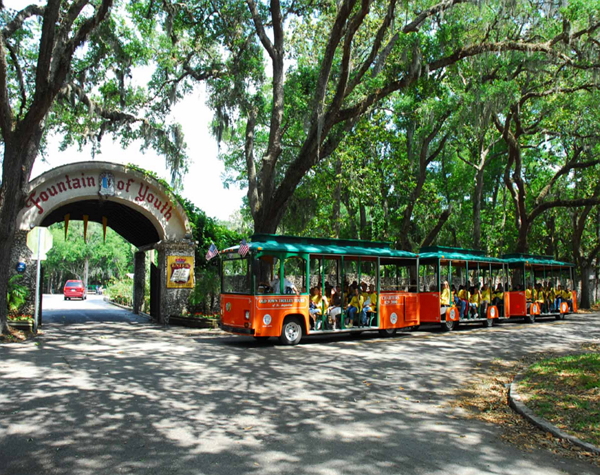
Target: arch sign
x=106 y=181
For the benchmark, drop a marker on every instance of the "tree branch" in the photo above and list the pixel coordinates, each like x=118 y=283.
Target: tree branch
x=574 y=203
x=6 y=114
x=438 y=227
x=19 y=19
x=260 y=29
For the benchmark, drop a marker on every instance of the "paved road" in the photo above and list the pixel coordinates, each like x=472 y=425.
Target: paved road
x=130 y=397
x=93 y=309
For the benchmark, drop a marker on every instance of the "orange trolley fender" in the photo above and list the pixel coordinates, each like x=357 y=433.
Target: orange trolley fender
x=534 y=308
x=492 y=312
x=452 y=314
x=564 y=307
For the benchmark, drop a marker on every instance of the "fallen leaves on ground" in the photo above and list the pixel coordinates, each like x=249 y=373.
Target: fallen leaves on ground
x=17 y=336
x=486 y=398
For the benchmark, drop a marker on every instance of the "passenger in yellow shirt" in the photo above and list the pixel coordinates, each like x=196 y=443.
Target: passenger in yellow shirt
x=529 y=293
x=486 y=299
x=370 y=305
x=445 y=295
x=354 y=307
x=474 y=299
x=317 y=305
x=498 y=298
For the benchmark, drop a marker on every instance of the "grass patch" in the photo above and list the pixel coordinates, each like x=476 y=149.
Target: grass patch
x=566 y=392
x=485 y=398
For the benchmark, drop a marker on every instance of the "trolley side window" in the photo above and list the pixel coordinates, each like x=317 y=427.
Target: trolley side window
x=267 y=272
x=294 y=272
x=236 y=277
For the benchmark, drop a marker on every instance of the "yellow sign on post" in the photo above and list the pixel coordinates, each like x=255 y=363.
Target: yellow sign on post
x=180 y=272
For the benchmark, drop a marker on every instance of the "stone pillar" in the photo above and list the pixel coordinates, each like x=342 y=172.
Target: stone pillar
x=173 y=300
x=139 y=281
x=21 y=253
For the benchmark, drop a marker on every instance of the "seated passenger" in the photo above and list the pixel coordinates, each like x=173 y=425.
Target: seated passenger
x=529 y=293
x=549 y=297
x=485 y=300
x=370 y=305
x=335 y=307
x=288 y=286
x=498 y=297
x=463 y=295
x=558 y=297
x=444 y=297
x=474 y=300
x=354 y=307
x=317 y=304
x=568 y=297
x=539 y=296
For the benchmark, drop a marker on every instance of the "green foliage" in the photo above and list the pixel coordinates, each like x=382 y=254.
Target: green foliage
x=121 y=292
x=16 y=295
x=108 y=260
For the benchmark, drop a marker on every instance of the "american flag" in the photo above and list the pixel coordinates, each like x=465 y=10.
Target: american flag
x=212 y=252
x=244 y=248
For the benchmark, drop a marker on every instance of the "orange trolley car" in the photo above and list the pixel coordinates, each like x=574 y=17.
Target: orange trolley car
x=541 y=287
x=267 y=293
x=465 y=272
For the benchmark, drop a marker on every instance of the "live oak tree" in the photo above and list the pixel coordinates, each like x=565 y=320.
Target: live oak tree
x=335 y=62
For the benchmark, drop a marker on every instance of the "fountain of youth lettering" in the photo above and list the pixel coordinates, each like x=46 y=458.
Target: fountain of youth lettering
x=134 y=205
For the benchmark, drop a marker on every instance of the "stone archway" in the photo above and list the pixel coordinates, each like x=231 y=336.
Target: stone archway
x=135 y=205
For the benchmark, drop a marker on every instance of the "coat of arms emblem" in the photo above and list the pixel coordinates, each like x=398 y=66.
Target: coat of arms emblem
x=107 y=185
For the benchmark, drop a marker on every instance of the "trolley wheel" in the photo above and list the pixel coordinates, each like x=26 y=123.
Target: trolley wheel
x=291 y=331
x=449 y=325
x=561 y=316
x=488 y=323
x=388 y=332
x=530 y=319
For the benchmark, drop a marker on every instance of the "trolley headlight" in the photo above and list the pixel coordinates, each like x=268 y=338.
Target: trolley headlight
x=247 y=314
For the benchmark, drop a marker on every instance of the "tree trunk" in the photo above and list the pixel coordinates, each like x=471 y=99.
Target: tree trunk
x=522 y=241
x=15 y=175
x=477 y=208
x=584 y=298
x=337 y=198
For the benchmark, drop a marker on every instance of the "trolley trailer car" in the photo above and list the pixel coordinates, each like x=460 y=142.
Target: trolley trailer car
x=460 y=285
x=540 y=287
x=268 y=292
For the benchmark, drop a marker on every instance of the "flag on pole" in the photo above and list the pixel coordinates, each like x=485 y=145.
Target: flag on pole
x=212 y=252
x=244 y=248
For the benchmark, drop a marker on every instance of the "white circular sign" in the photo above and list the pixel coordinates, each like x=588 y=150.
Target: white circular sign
x=267 y=319
x=452 y=314
x=492 y=312
x=393 y=318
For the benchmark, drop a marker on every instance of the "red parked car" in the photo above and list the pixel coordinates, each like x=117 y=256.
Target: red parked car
x=74 y=289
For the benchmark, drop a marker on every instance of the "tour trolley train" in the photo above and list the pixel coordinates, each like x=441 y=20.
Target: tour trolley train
x=267 y=291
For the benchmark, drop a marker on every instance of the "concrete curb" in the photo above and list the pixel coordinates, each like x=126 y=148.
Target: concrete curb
x=514 y=400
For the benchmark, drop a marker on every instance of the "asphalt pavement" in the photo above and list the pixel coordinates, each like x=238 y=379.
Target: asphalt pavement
x=106 y=392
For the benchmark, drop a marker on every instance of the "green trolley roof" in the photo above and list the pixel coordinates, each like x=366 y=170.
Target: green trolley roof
x=456 y=254
x=304 y=245
x=533 y=259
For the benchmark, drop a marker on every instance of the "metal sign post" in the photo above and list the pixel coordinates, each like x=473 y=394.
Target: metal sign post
x=39 y=241
x=37 y=282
